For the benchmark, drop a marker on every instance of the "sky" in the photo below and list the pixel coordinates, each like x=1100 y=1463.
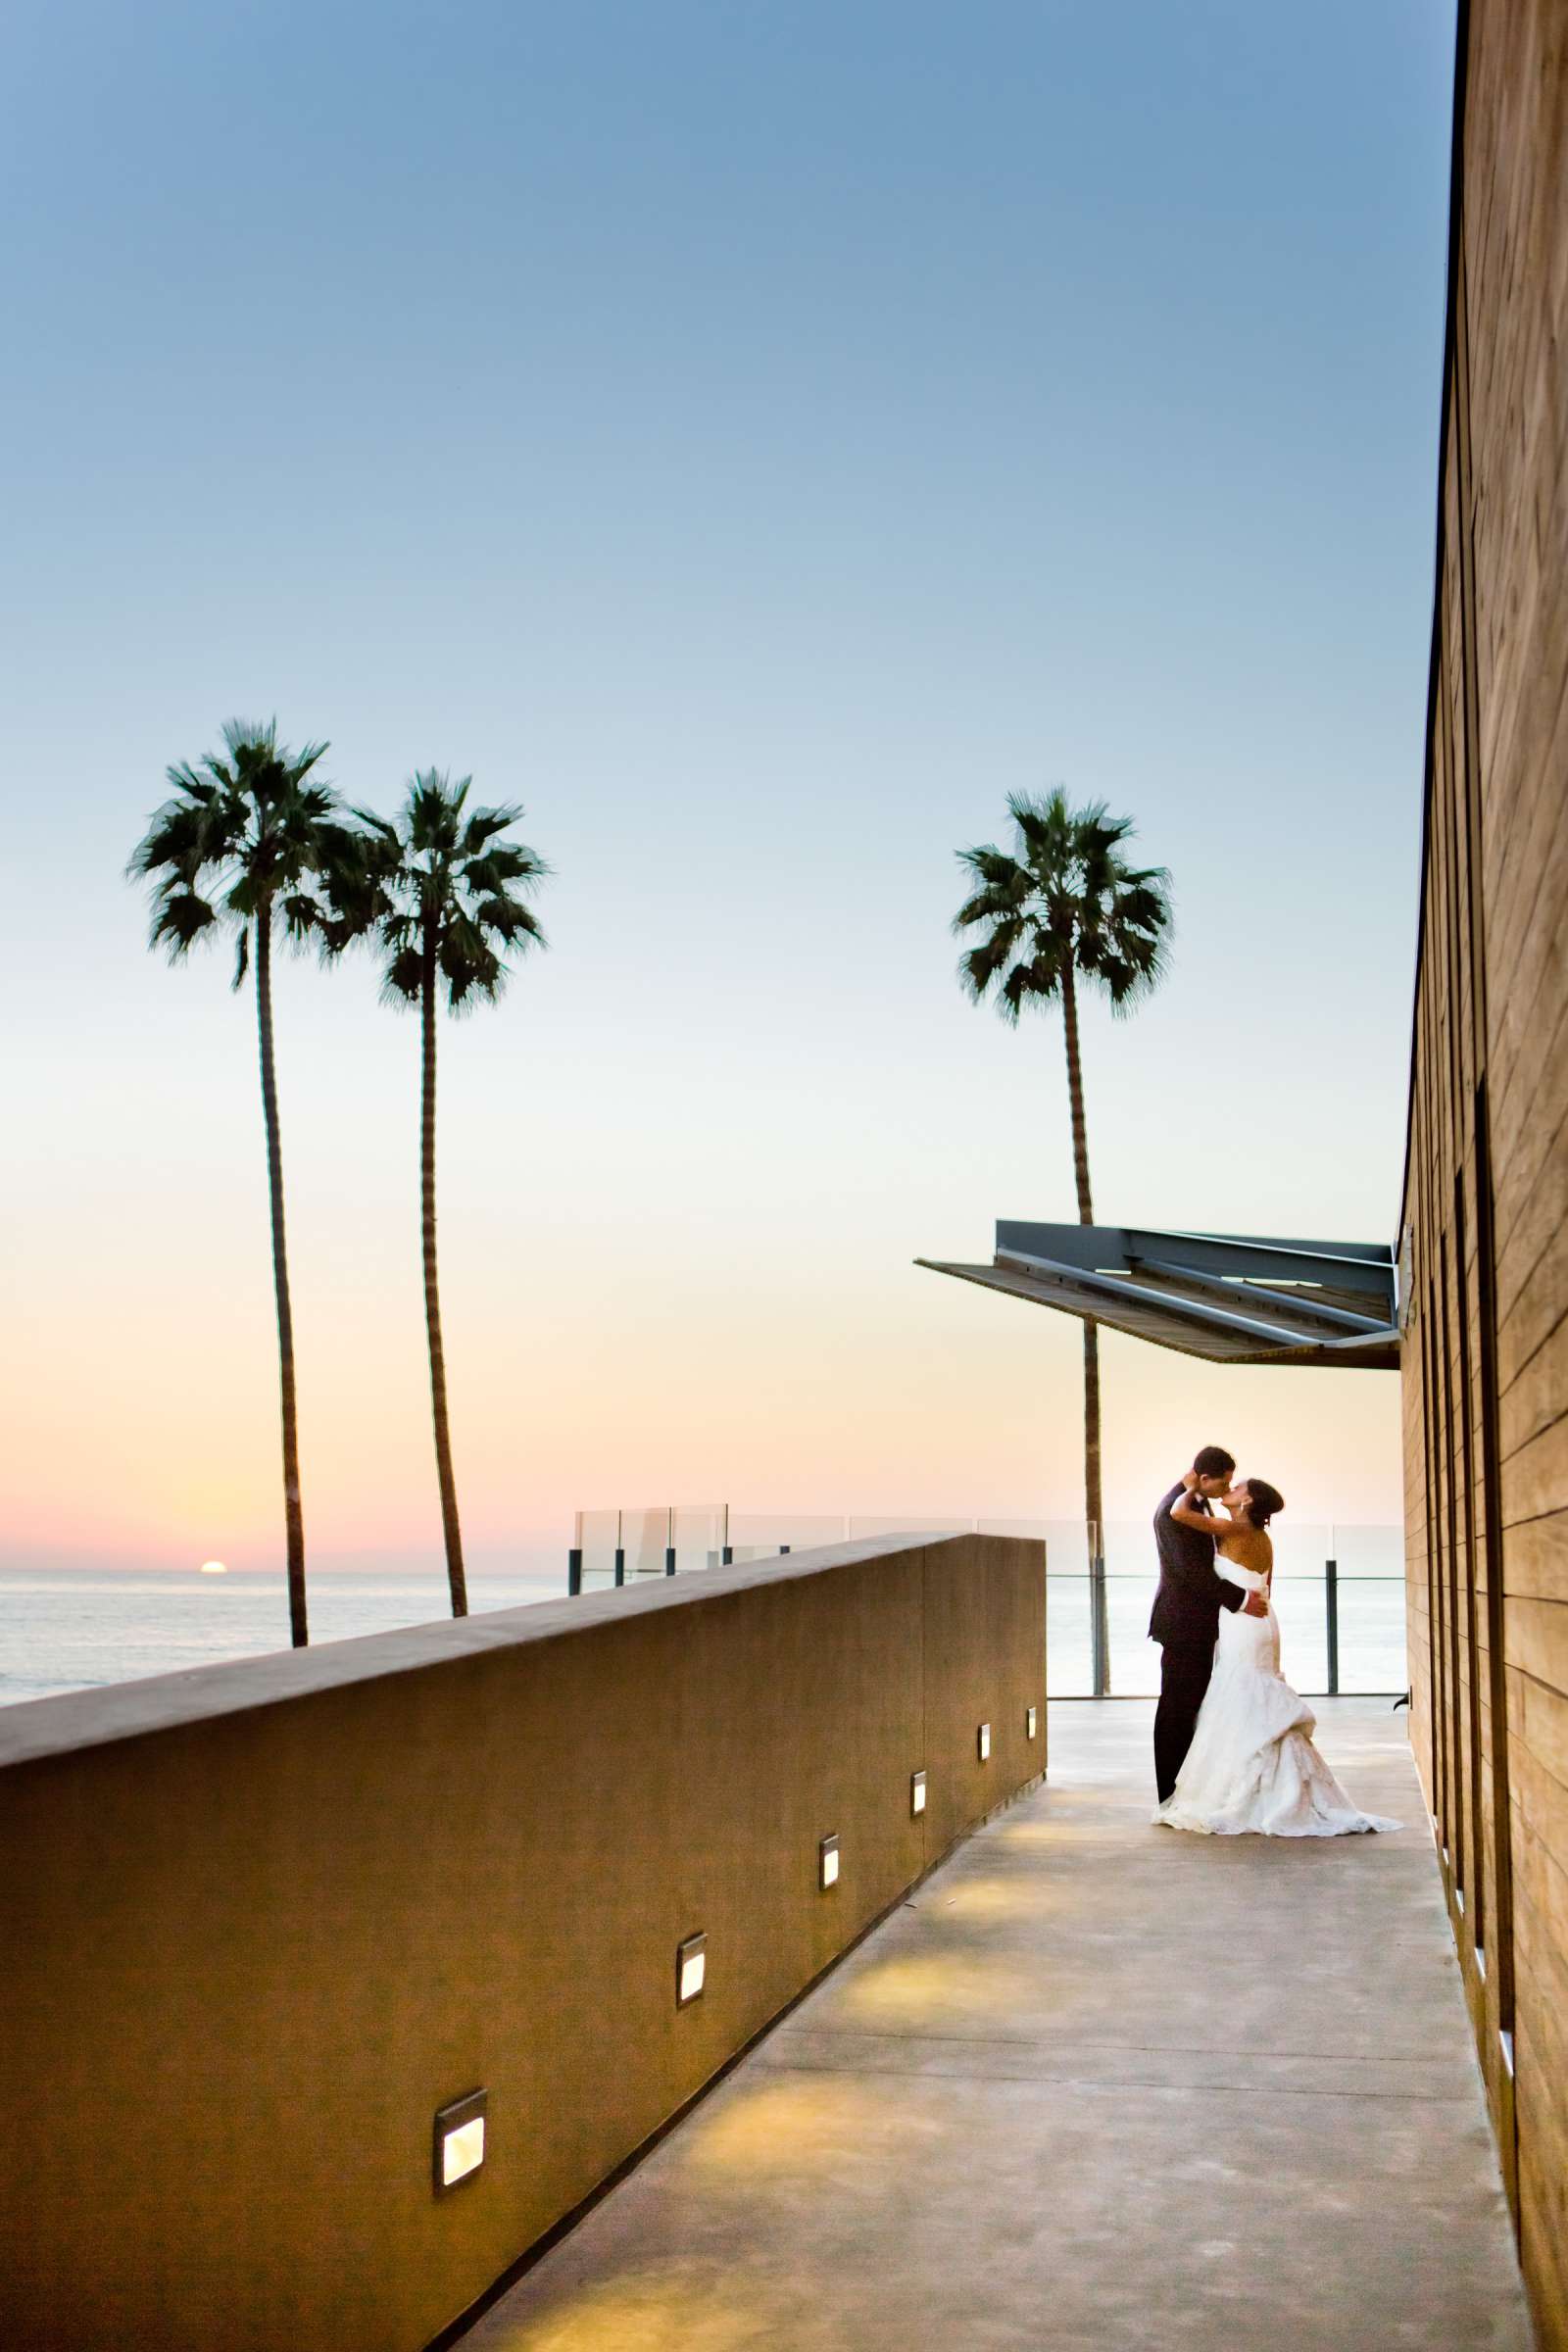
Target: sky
x=757 y=438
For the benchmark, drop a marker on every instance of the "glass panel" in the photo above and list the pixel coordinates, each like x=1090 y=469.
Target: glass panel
x=1301 y=1547
x=762 y=1535
x=1368 y=1552
x=645 y=1534
x=912 y=1524
x=1300 y=1605
x=1134 y=1658
x=596 y=1537
x=1067 y=1548
x=1372 y=1651
x=1067 y=1652
x=698 y=1536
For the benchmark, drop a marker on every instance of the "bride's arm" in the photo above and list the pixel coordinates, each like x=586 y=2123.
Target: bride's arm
x=1202 y=1523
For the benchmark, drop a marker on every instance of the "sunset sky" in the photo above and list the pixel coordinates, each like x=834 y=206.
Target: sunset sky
x=757 y=438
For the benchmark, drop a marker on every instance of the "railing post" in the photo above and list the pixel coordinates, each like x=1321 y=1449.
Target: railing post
x=1098 y=1615
x=783 y=1551
x=1331 y=1594
x=620 y=1547
x=669 y=1543
x=574 y=1569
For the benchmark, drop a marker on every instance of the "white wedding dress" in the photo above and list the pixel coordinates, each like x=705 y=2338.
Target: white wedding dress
x=1253 y=1765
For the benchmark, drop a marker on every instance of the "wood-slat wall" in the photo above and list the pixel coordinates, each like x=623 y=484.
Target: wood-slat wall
x=1486 y=1209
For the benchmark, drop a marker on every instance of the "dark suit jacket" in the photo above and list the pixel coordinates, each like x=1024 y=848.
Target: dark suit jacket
x=1191 y=1594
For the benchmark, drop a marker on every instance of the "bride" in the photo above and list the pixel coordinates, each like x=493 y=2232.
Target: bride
x=1253 y=1764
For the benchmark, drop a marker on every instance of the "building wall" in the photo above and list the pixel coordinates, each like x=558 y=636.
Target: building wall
x=262 y=1921
x=1486 y=1209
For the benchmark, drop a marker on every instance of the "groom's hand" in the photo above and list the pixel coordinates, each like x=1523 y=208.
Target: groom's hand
x=1190 y=1481
x=1255 y=1605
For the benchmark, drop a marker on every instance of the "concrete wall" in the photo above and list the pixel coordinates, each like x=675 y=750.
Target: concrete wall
x=262 y=1920
x=1486 y=1209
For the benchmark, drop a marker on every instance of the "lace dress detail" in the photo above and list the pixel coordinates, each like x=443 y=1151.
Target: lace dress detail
x=1253 y=1765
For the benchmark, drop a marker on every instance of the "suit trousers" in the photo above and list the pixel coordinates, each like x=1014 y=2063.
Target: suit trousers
x=1187 y=1663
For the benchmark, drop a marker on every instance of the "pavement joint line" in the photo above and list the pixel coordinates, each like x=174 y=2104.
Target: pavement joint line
x=1185 y=2049
x=1178 y=2090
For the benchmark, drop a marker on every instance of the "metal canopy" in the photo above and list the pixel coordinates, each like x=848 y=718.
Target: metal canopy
x=1235 y=1299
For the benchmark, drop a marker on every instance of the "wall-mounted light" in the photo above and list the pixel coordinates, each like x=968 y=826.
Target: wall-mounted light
x=458 y=2147
x=1031 y=1722
x=982 y=1741
x=917 y=1793
x=828 y=1862
x=690 y=1969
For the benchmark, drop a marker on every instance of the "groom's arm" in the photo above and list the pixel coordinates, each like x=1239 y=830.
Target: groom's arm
x=1245 y=1597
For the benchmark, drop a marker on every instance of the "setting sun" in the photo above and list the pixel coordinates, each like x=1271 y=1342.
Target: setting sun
x=213 y=1568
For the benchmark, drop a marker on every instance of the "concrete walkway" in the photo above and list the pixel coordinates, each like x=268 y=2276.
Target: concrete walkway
x=1097 y=2085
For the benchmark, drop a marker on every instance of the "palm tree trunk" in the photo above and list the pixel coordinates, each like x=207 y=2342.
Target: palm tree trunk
x=293 y=1515
x=1094 y=1511
x=433 y=1298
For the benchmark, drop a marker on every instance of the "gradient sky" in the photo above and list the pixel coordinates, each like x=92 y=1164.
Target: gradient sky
x=756 y=437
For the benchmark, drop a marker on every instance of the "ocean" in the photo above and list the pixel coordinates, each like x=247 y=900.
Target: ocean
x=75 y=1630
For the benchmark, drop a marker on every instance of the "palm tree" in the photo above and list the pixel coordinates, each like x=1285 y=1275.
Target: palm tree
x=248 y=846
x=1066 y=911
x=443 y=900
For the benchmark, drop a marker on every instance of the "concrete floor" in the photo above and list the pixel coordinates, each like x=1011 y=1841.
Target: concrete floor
x=1097 y=2085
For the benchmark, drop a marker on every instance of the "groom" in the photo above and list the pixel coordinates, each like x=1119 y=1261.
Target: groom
x=1186 y=1613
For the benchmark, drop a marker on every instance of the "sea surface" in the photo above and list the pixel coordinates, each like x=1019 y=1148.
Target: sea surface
x=75 y=1629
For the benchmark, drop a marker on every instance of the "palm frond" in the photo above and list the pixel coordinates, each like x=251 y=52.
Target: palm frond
x=401 y=979
x=980 y=965
x=484 y=824
x=509 y=920
x=180 y=919
x=303 y=916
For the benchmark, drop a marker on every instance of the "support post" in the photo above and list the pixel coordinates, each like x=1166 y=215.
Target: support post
x=1100 y=1624
x=1331 y=1594
x=574 y=1569
x=620 y=1563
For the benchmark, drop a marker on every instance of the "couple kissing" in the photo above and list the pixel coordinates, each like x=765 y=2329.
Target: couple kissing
x=1234 y=1750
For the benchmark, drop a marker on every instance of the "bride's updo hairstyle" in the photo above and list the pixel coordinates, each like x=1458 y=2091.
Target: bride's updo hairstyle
x=1263 y=1501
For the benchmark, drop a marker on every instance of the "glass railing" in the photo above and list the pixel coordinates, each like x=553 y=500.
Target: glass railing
x=1338 y=1589
x=1338 y=1594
